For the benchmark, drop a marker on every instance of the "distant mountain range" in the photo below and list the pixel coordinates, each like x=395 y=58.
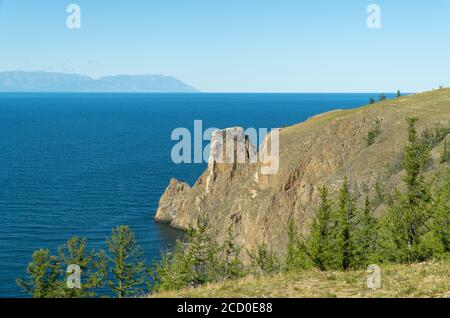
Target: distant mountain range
x=19 y=81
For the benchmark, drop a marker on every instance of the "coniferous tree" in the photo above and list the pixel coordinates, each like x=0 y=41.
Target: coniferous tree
x=263 y=260
x=296 y=257
x=441 y=215
x=201 y=254
x=405 y=220
x=366 y=237
x=194 y=261
x=320 y=242
x=92 y=267
x=345 y=241
x=172 y=272
x=291 y=247
x=126 y=270
x=232 y=264
x=436 y=242
x=43 y=276
x=416 y=156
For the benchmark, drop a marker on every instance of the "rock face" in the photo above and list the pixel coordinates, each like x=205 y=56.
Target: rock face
x=320 y=151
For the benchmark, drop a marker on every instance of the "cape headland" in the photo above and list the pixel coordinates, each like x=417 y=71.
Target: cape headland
x=321 y=151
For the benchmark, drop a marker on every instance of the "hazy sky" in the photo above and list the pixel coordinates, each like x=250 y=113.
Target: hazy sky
x=236 y=45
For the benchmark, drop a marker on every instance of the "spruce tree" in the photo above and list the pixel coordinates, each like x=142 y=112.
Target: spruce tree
x=43 y=276
x=126 y=270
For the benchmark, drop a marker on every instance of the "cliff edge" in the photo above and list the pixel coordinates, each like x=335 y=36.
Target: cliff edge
x=320 y=151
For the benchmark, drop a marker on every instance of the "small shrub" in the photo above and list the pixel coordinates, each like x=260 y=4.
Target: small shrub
x=373 y=133
x=264 y=261
x=431 y=137
x=445 y=156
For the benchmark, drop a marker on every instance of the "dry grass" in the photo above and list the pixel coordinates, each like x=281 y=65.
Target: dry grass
x=430 y=279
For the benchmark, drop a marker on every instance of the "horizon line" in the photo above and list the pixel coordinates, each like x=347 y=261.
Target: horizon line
x=216 y=92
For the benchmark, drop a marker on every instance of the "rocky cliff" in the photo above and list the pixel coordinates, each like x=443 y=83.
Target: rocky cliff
x=321 y=151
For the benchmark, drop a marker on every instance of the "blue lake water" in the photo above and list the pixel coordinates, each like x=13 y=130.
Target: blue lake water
x=80 y=164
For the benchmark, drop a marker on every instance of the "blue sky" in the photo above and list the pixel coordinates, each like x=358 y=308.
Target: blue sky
x=236 y=45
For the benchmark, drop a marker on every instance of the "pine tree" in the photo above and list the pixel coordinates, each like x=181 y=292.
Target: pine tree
x=405 y=220
x=296 y=257
x=91 y=265
x=201 y=254
x=291 y=248
x=232 y=264
x=172 y=272
x=195 y=260
x=365 y=236
x=346 y=213
x=436 y=242
x=416 y=157
x=126 y=269
x=441 y=215
x=43 y=275
x=321 y=241
x=263 y=260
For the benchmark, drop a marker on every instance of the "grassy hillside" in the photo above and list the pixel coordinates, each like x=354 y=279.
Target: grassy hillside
x=319 y=152
x=408 y=139
x=430 y=279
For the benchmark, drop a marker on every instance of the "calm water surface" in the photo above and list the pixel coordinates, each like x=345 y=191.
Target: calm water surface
x=80 y=164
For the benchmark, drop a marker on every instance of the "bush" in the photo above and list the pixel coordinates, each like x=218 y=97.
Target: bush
x=198 y=260
x=432 y=137
x=264 y=261
x=373 y=133
x=445 y=156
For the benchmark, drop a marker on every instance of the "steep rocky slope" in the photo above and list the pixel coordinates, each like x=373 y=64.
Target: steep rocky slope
x=320 y=151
